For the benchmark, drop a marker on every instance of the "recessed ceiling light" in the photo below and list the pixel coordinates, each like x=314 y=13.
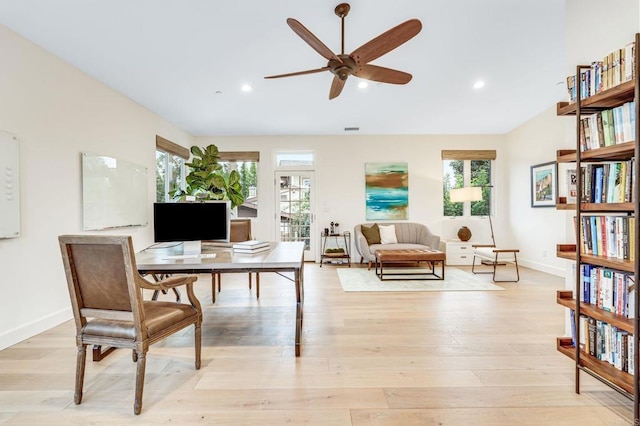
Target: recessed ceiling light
x=363 y=85
x=478 y=84
x=246 y=88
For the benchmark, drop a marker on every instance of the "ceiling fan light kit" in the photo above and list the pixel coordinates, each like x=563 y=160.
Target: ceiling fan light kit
x=357 y=63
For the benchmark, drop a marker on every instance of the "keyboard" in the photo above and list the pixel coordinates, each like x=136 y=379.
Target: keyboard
x=190 y=256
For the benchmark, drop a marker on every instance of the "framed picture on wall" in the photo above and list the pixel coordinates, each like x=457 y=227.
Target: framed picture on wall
x=544 y=182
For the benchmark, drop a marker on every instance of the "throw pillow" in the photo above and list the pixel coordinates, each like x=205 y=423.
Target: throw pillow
x=388 y=234
x=371 y=233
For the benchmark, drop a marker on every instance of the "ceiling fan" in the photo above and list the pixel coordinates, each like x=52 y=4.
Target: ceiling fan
x=357 y=63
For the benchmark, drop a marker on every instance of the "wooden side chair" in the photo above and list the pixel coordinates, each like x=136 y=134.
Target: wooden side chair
x=106 y=297
x=240 y=231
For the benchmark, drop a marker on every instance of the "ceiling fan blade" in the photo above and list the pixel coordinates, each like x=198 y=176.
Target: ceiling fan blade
x=336 y=87
x=382 y=74
x=311 y=39
x=291 y=74
x=387 y=41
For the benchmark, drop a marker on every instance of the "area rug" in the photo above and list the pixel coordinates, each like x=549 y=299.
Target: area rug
x=360 y=279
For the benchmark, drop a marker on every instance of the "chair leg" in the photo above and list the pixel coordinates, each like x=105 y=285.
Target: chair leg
x=249 y=280
x=140 y=368
x=80 y=364
x=198 y=344
x=496 y=263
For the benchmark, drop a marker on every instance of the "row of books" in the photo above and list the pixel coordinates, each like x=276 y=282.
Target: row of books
x=605 y=342
x=611 y=236
x=615 y=68
x=608 y=289
x=251 y=246
x=609 y=127
x=608 y=182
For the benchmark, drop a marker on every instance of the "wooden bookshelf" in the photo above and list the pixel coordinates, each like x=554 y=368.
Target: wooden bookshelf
x=603 y=369
x=566 y=251
x=566 y=156
x=607 y=99
x=604 y=100
x=566 y=299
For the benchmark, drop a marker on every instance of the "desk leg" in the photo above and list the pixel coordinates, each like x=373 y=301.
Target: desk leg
x=298 y=280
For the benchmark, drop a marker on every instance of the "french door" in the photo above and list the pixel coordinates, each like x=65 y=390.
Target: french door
x=295 y=212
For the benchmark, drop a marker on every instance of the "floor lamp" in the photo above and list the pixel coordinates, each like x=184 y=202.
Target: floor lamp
x=470 y=193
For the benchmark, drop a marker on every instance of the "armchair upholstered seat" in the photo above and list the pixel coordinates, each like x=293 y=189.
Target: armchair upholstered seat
x=106 y=298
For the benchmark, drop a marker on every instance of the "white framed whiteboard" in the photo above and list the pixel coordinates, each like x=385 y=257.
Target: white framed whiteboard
x=114 y=193
x=10 y=186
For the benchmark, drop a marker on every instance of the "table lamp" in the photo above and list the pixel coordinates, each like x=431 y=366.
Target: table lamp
x=460 y=195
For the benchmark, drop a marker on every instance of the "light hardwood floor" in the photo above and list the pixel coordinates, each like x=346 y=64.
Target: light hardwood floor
x=428 y=358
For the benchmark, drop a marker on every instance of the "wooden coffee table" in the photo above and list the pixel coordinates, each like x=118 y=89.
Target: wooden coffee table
x=384 y=258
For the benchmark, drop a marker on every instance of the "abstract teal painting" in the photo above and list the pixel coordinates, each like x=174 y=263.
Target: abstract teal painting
x=387 y=191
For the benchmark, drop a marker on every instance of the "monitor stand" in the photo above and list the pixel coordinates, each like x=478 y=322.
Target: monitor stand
x=192 y=248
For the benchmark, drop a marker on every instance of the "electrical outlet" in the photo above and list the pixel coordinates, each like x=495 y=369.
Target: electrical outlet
x=544 y=253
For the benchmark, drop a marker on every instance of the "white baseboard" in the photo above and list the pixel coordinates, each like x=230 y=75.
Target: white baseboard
x=560 y=272
x=29 y=330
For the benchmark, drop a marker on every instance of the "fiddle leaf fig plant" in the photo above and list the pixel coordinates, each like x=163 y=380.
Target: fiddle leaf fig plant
x=206 y=180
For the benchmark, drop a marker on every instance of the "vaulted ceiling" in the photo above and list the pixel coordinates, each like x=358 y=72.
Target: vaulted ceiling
x=187 y=60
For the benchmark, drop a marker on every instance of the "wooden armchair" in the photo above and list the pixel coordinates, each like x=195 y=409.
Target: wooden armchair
x=240 y=231
x=106 y=298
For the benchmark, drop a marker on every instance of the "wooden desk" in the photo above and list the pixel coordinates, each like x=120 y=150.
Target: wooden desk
x=282 y=257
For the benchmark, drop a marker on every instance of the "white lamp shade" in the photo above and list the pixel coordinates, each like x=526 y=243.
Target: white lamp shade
x=468 y=193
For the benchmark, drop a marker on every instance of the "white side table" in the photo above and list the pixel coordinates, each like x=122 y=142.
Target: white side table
x=459 y=252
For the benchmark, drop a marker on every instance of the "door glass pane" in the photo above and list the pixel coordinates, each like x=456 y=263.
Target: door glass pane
x=302 y=159
x=295 y=215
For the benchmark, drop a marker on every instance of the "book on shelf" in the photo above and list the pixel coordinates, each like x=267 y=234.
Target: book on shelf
x=572 y=190
x=250 y=245
x=614 y=69
x=607 y=182
x=610 y=236
x=607 y=289
x=608 y=127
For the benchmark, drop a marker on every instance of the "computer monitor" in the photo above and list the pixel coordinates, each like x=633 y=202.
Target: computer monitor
x=192 y=222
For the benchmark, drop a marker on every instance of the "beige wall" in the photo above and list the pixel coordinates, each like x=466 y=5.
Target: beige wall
x=536 y=230
x=339 y=176
x=57 y=112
